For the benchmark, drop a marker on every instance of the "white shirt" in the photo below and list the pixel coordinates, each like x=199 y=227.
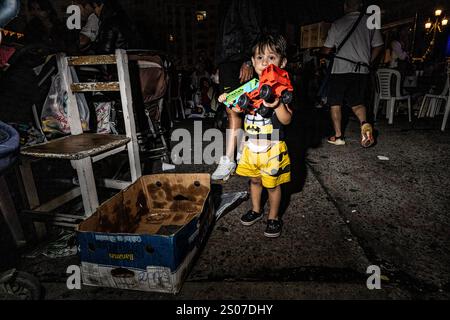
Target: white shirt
x=357 y=48
x=90 y=29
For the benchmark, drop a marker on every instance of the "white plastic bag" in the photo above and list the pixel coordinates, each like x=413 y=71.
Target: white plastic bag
x=54 y=112
x=103 y=111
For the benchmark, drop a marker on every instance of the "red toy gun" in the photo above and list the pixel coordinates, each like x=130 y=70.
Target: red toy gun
x=273 y=83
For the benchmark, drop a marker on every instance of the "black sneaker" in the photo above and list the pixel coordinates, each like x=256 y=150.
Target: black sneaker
x=250 y=218
x=273 y=229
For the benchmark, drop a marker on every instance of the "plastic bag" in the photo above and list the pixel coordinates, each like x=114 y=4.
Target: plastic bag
x=103 y=111
x=54 y=112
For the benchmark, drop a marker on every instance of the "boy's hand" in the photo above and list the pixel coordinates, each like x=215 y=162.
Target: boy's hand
x=272 y=105
x=222 y=98
x=237 y=110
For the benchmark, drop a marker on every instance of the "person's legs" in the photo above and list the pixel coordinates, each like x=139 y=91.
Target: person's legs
x=274 y=202
x=337 y=89
x=274 y=225
x=229 y=79
x=356 y=97
x=234 y=124
x=360 y=113
x=255 y=214
x=275 y=172
x=336 y=118
x=255 y=192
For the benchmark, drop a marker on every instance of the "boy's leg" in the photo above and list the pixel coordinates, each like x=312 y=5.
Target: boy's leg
x=274 y=225
x=274 y=202
x=255 y=192
x=248 y=168
x=255 y=214
x=275 y=173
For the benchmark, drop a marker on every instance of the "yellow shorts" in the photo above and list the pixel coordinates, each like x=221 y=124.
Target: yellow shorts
x=272 y=166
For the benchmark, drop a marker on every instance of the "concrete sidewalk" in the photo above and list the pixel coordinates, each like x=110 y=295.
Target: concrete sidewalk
x=349 y=211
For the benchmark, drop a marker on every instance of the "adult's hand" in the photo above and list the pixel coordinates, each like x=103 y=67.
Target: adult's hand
x=246 y=73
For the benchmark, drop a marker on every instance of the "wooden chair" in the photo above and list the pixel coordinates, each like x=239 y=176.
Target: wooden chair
x=83 y=149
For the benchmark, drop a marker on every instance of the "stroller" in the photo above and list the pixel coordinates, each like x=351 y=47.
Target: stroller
x=151 y=68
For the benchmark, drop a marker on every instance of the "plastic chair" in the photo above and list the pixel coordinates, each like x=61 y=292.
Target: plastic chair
x=385 y=78
x=447 y=112
x=431 y=103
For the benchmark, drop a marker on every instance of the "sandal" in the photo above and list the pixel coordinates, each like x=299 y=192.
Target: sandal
x=367 y=138
x=337 y=141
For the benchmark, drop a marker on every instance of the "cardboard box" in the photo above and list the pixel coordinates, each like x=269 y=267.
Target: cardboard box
x=146 y=237
x=314 y=35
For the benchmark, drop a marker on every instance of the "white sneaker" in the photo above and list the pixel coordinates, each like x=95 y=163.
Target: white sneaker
x=224 y=170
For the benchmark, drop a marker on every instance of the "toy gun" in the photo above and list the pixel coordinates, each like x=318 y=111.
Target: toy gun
x=234 y=96
x=274 y=83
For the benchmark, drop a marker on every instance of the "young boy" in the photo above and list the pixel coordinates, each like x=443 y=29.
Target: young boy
x=265 y=159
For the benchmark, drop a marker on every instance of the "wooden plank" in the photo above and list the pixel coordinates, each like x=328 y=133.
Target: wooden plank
x=29 y=184
x=9 y=212
x=87 y=185
x=95 y=86
x=76 y=147
x=107 y=154
x=57 y=219
x=115 y=184
x=91 y=60
x=128 y=114
x=59 y=201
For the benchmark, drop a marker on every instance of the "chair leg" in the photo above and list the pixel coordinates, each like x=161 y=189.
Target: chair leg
x=10 y=214
x=409 y=109
x=391 y=111
x=87 y=185
x=182 y=108
x=432 y=108
x=422 y=106
x=388 y=108
x=447 y=111
x=376 y=105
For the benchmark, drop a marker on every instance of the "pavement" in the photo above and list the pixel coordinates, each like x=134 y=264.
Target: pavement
x=347 y=210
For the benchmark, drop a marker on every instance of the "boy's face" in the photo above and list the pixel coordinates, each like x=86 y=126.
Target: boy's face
x=262 y=60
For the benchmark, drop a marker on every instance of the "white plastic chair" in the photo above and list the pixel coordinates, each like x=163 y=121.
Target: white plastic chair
x=447 y=112
x=432 y=103
x=384 y=83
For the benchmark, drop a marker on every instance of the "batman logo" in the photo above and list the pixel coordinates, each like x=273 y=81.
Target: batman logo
x=254 y=129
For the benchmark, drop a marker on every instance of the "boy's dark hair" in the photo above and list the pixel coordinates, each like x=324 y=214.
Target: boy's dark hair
x=275 y=42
